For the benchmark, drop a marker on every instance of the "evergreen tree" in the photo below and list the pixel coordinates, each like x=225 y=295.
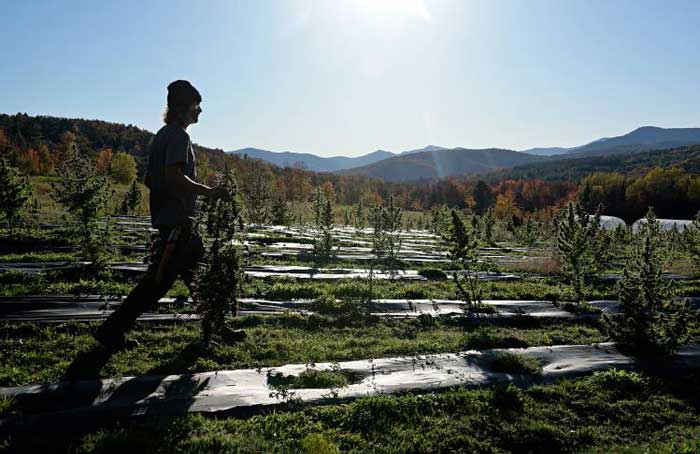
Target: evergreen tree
x=15 y=192
x=483 y=197
x=219 y=280
x=85 y=194
x=653 y=320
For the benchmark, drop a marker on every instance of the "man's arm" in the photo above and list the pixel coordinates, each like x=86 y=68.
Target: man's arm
x=175 y=176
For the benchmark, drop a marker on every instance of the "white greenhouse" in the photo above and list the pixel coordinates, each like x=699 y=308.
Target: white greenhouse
x=667 y=225
x=611 y=222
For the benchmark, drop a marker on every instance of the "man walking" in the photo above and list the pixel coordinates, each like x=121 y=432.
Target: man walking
x=171 y=177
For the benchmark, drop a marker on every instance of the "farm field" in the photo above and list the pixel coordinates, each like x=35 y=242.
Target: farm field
x=331 y=345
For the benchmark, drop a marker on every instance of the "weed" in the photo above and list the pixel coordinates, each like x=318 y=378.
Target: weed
x=515 y=363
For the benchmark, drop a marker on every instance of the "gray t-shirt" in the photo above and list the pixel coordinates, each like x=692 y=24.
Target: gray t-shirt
x=169 y=206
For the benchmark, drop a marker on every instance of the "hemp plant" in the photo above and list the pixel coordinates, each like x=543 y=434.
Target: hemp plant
x=375 y=217
x=15 y=192
x=259 y=199
x=219 y=279
x=462 y=246
x=279 y=212
x=323 y=247
x=528 y=233
x=386 y=241
x=359 y=217
x=577 y=246
x=85 y=194
x=392 y=226
x=653 y=320
x=691 y=242
x=488 y=221
x=132 y=199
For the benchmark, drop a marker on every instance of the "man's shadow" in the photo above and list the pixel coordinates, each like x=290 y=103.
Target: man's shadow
x=87 y=364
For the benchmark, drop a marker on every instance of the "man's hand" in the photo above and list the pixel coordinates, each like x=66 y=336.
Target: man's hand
x=215 y=193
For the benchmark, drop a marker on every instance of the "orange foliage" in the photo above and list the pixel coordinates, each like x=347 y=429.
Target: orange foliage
x=103 y=160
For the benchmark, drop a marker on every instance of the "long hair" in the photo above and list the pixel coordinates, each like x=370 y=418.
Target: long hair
x=181 y=95
x=175 y=114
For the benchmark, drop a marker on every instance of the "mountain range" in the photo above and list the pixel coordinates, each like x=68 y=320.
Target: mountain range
x=641 y=139
x=319 y=163
x=438 y=162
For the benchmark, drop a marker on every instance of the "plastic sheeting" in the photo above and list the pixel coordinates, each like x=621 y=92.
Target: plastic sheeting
x=87 y=404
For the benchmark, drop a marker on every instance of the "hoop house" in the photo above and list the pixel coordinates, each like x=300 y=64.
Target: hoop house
x=667 y=225
x=611 y=222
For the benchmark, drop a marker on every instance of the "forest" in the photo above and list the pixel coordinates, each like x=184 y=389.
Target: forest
x=626 y=185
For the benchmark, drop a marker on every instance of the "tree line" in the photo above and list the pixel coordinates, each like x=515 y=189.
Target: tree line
x=672 y=192
x=37 y=145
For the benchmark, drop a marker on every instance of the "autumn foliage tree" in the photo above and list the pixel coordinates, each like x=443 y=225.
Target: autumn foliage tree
x=122 y=168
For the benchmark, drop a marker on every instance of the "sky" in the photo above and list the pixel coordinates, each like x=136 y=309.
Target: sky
x=347 y=77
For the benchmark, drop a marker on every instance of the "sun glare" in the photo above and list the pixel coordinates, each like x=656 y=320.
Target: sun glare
x=392 y=11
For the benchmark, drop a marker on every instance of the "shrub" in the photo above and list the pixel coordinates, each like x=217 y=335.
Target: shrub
x=318 y=444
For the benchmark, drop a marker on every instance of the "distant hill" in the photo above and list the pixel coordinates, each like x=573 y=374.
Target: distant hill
x=550 y=151
x=319 y=163
x=441 y=163
x=23 y=131
x=641 y=139
x=310 y=161
x=576 y=167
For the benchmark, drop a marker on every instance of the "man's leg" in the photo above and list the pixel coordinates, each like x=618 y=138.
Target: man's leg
x=141 y=298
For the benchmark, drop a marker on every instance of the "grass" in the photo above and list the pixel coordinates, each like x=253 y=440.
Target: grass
x=549 y=289
x=515 y=363
x=31 y=353
x=613 y=411
x=311 y=378
x=596 y=414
